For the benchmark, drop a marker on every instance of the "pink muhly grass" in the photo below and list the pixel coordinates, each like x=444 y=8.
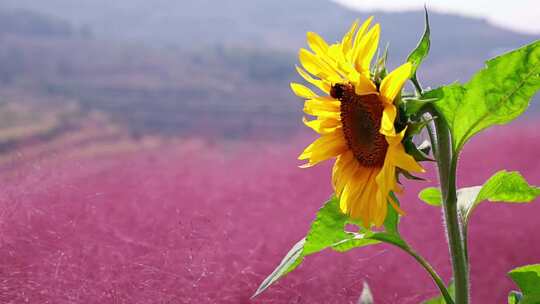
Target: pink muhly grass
x=205 y=223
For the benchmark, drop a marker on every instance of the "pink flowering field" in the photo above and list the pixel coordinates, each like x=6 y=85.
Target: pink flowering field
x=201 y=221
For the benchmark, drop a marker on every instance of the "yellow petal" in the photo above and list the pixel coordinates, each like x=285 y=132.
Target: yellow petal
x=343 y=170
x=393 y=83
x=386 y=179
x=317 y=105
x=368 y=199
x=353 y=189
x=302 y=91
x=322 y=126
x=315 y=65
x=323 y=86
x=359 y=201
x=322 y=114
x=346 y=42
x=325 y=147
x=356 y=44
x=362 y=84
x=338 y=60
x=317 y=43
x=395 y=139
x=366 y=49
x=387 y=121
x=379 y=210
x=401 y=159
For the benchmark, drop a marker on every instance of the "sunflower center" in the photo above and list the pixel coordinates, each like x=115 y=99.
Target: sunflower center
x=361 y=119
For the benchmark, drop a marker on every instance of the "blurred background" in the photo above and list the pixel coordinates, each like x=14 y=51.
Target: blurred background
x=148 y=151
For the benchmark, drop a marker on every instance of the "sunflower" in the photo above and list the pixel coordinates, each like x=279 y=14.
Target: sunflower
x=355 y=119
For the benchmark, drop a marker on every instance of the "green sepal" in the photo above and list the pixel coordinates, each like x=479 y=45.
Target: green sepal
x=420 y=53
x=415 y=127
x=420 y=152
x=400 y=172
x=411 y=106
x=379 y=70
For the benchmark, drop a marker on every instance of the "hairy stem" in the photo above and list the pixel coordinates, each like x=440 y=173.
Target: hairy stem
x=447 y=163
x=436 y=278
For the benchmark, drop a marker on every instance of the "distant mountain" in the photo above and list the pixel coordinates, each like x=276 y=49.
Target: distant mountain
x=28 y=23
x=205 y=66
x=459 y=43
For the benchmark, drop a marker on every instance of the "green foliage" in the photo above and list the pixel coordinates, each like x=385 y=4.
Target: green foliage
x=291 y=260
x=503 y=186
x=496 y=95
x=530 y=299
x=431 y=195
x=327 y=231
x=392 y=218
x=388 y=237
x=440 y=299
x=391 y=229
x=527 y=278
x=508 y=187
x=420 y=52
x=514 y=297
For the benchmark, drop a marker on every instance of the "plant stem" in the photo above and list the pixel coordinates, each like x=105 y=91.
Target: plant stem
x=436 y=278
x=447 y=163
x=417 y=85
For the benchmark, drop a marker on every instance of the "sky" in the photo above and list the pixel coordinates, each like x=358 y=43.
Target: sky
x=519 y=15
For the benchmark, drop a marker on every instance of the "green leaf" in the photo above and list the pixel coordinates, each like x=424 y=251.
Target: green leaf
x=327 y=231
x=390 y=238
x=527 y=278
x=392 y=218
x=503 y=186
x=355 y=240
x=514 y=297
x=289 y=263
x=327 y=228
x=440 y=299
x=422 y=49
x=431 y=195
x=496 y=94
x=531 y=299
x=508 y=187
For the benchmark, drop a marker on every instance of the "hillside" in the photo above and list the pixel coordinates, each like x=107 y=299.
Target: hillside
x=180 y=68
x=264 y=23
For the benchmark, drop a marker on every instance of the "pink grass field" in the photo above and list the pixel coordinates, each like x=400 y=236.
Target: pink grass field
x=202 y=222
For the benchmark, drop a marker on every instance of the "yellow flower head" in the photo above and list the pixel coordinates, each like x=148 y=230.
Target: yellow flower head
x=355 y=119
